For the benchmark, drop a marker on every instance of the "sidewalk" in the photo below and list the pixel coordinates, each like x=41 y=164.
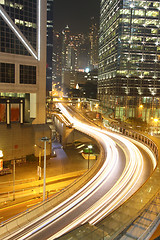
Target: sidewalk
x=66 y=160
x=61 y=171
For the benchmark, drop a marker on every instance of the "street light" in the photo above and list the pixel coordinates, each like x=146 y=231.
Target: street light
x=97 y=105
x=89 y=147
x=155 y=120
x=140 y=106
x=45 y=140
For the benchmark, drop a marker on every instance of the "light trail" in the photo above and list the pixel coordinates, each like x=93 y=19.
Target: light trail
x=121 y=189
x=115 y=196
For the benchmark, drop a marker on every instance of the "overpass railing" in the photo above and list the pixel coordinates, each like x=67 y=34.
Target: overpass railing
x=32 y=214
x=139 y=137
x=142 y=209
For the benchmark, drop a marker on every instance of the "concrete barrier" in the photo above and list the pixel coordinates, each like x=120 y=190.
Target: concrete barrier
x=22 y=220
x=12 y=226
x=37 y=211
x=3 y=230
x=32 y=214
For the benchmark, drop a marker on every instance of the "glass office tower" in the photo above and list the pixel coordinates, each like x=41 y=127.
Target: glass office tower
x=129 y=58
x=22 y=61
x=49 y=70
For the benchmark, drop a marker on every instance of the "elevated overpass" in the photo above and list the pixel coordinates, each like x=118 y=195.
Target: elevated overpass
x=49 y=205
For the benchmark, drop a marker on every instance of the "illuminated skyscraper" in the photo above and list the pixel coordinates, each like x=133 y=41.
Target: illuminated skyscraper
x=57 y=56
x=74 y=53
x=93 y=37
x=129 y=57
x=22 y=61
x=49 y=70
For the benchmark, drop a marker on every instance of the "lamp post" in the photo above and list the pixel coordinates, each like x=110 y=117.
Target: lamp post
x=89 y=147
x=45 y=140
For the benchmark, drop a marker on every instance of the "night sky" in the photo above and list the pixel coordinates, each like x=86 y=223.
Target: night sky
x=76 y=14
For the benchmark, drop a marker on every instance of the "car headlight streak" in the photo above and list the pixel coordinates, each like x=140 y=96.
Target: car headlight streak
x=111 y=199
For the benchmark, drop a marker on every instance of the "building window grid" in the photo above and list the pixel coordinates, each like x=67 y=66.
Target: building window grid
x=25 y=11
x=7 y=73
x=143 y=54
x=27 y=74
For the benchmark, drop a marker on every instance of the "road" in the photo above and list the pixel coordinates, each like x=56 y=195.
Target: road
x=122 y=172
x=30 y=194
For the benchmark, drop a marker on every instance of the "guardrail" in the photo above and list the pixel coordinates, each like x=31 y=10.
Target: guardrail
x=137 y=136
x=113 y=226
x=22 y=219
x=12 y=225
x=101 y=230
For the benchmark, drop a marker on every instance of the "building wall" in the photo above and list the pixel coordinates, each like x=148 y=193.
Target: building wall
x=129 y=50
x=49 y=45
x=19 y=141
x=19 y=55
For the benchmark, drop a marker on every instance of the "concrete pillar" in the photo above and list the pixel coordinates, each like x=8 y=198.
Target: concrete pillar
x=21 y=112
x=8 y=112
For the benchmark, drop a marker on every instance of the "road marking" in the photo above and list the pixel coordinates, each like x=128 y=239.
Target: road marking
x=33 y=204
x=17 y=204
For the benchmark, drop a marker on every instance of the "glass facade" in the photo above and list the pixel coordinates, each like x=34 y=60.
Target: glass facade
x=7 y=73
x=27 y=74
x=49 y=70
x=24 y=14
x=129 y=54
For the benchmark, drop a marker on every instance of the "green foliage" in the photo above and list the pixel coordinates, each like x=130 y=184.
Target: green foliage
x=30 y=158
x=137 y=122
x=86 y=150
x=7 y=164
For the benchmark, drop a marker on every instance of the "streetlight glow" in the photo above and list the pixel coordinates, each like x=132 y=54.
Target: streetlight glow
x=141 y=106
x=1 y=153
x=155 y=119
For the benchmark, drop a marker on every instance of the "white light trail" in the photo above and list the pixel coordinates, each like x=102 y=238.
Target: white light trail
x=113 y=198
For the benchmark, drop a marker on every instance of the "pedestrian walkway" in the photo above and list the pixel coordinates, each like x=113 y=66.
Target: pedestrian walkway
x=67 y=160
x=137 y=217
x=142 y=226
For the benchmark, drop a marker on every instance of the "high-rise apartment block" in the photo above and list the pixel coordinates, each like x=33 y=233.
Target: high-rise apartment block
x=22 y=61
x=129 y=57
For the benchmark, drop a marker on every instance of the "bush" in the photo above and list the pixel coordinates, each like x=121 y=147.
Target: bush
x=30 y=158
x=137 y=122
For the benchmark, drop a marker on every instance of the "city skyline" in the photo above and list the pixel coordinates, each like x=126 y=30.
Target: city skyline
x=76 y=14
x=79 y=119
